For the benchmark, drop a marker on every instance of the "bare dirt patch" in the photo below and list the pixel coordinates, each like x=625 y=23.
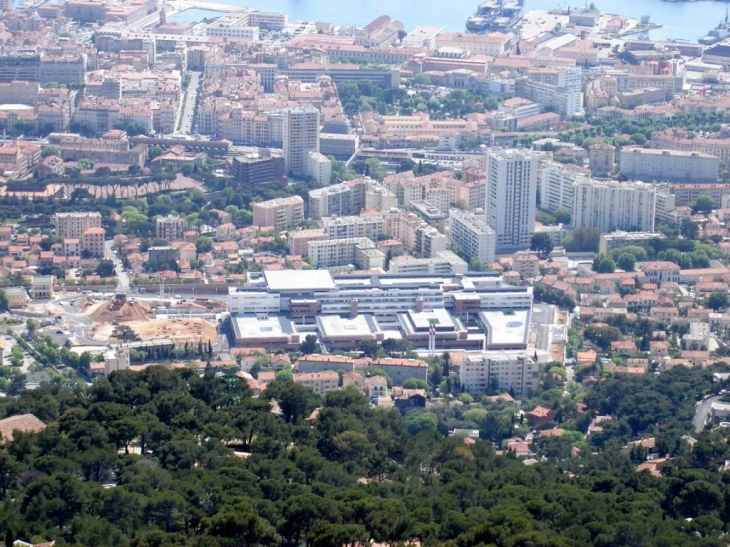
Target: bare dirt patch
x=113 y=311
x=179 y=330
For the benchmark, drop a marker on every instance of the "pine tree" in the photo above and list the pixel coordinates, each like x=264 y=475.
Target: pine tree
x=210 y=349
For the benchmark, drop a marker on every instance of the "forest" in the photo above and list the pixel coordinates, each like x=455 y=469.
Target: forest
x=176 y=458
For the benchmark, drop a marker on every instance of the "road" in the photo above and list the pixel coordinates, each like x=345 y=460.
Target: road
x=188 y=108
x=122 y=277
x=702 y=411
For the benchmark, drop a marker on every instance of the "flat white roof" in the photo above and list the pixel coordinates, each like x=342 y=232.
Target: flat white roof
x=299 y=280
x=356 y=327
x=439 y=317
x=256 y=328
x=507 y=329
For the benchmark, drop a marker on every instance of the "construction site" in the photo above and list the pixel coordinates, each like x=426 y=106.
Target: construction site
x=142 y=316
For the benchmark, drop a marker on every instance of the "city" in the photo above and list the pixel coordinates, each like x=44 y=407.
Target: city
x=269 y=282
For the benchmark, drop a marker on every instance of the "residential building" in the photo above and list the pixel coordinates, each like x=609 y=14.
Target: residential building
x=669 y=165
x=325 y=362
x=556 y=185
x=73 y=225
x=611 y=205
x=298 y=240
x=511 y=196
x=259 y=168
x=472 y=235
x=41 y=286
x=527 y=265
x=564 y=94
x=346 y=198
x=489 y=371
x=445 y=263
x=171 y=228
x=319 y=167
x=370 y=226
x=17 y=297
x=618 y=239
x=429 y=242
x=400 y=370
x=358 y=251
x=319 y=382
x=92 y=242
x=301 y=136
x=281 y=213
x=601 y=158
x=162 y=256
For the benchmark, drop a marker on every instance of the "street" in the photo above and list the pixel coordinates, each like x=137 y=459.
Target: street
x=122 y=277
x=188 y=107
x=702 y=411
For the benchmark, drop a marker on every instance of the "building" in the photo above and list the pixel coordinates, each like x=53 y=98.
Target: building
x=358 y=251
x=25 y=423
x=319 y=382
x=254 y=169
x=233 y=25
x=445 y=263
x=472 y=235
x=73 y=225
x=116 y=359
x=298 y=239
x=162 y=256
x=511 y=197
x=669 y=165
x=490 y=371
x=556 y=185
x=319 y=168
x=17 y=297
x=527 y=265
x=171 y=228
x=611 y=205
x=601 y=158
x=370 y=226
x=323 y=363
x=41 y=286
x=400 y=370
x=618 y=239
x=92 y=242
x=301 y=136
x=564 y=96
x=281 y=213
x=346 y=198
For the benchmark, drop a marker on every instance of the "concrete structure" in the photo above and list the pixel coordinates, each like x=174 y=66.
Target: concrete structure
x=611 y=205
x=298 y=240
x=491 y=371
x=92 y=242
x=281 y=213
x=349 y=198
x=400 y=370
x=470 y=232
x=116 y=359
x=319 y=168
x=370 y=226
x=171 y=228
x=565 y=95
x=511 y=196
x=325 y=362
x=41 y=286
x=72 y=225
x=618 y=239
x=445 y=263
x=669 y=165
x=556 y=186
x=301 y=136
x=319 y=382
x=258 y=168
x=162 y=255
x=601 y=158
x=17 y=297
x=357 y=251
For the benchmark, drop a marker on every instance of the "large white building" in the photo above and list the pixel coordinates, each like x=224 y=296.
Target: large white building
x=358 y=251
x=233 y=25
x=669 y=165
x=301 y=136
x=73 y=225
x=170 y=227
x=611 y=205
x=472 y=235
x=556 y=186
x=564 y=96
x=511 y=197
x=370 y=226
x=319 y=167
x=500 y=371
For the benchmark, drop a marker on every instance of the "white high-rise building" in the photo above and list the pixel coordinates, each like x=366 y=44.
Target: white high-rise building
x=301 y=136
x=611 y=205
x=556 y=185
x=504 y=371
x=511 y=196
x=472 y=235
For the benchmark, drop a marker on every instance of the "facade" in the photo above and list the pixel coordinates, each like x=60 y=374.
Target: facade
x=511 y=196
x=602 y=158
x=301 y=136
x=346 y=198
x=17 y=297
x=565 y=95
x=41 y=286
x=503 y=371
x=471 y=233
x=323 y=363
x=319 y=167
x=298 y=239
x=319 y=382
x=92 y=242
x=170 y=228
x=400 y=370
x=618 y=239
x=73 y=225
x=669 y=165
x=445 y=263
x=358 y=251
x=281 y=213
x=611 y=205
x=556 y=186
x=256 y=169
x=161 y=256
x=370 y=226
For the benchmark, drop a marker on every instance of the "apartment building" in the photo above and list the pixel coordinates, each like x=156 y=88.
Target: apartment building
x=472 y=235
x=493 y=44
x=564 y=94
x=556 y=185
x=319 y=168
x=319 y=382
x=92 y=242
x=400 y=370
x=618 y=239
x=369 y=226
x=346 y=198
x=17 y=297
x=611 y=205
x=445 y=263
x=511 y=196
x=301 y=136
x=490 y=371
x=678 y=139
x=233 y=25
x=650 y=165
x=429 y=242
x=358 y=251
x=298 y=239
x=171 y=227
x=258 y=168
x=281 y=213
x=601 y=158
x=73 y=225
x=324 y=363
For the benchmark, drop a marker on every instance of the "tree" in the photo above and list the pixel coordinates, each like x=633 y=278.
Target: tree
x=626 y=262
x=703 y=204
x=415 y=383
x=124 y=333
x=541 y=243
x=310 y=345
x=16 y=356
x=204 y=244
x=4 y=305
x=603 y=263
x=717 y=300
x=562 y=216
x=105 y=268
x=689 y=230
x=418 y=421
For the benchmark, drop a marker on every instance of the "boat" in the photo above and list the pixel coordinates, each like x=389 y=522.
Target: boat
x=496 y=16
x=720 y=32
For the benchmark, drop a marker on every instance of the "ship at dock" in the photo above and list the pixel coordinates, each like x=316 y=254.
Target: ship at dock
x=720 y=32
x=496 y=16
